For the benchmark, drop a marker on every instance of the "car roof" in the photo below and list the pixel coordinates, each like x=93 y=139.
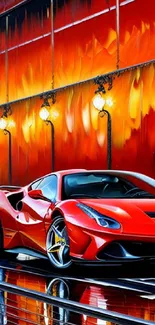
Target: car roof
x=105 y=171
x=71 y=171
x=140 y=176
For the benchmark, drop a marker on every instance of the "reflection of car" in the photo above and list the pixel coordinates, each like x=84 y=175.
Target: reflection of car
x=80 y=215
x=128 y=302
x=3 y=317
x=119 y=295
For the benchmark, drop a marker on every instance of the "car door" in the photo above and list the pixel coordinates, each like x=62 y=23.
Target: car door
x=31 y=217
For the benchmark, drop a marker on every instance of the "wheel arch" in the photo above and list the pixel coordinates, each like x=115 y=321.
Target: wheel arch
x=64 y=208
x=56 y=213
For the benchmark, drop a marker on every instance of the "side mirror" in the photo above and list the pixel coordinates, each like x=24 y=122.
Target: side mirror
x=35 y=194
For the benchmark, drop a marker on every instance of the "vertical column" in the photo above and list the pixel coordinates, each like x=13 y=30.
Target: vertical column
x=6 y=59
x=52 y=42
x=118 y=32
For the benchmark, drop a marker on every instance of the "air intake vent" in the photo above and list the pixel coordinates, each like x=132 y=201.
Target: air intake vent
x=151 y=214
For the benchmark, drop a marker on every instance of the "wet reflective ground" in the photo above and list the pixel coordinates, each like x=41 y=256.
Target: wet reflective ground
x=134 y=297
x=130 y=270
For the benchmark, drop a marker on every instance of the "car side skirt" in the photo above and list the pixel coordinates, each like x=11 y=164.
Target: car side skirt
x=26 y=251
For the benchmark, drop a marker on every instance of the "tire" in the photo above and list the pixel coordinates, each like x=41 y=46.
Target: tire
x=57 y=244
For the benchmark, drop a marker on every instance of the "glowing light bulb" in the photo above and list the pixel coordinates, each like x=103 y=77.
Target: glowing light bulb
x=44 y=114
x=3 y=123
x=109 y=102
x=98 y=102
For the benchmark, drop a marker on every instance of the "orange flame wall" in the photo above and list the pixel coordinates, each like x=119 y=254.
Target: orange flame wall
x=85 y=42
x=85 y=45
x=90 y=47
x=80 y=134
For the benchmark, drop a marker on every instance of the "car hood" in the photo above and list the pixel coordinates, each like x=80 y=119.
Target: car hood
x=136 y=216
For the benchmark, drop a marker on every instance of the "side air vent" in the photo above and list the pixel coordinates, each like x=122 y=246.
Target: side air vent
x=151 y=214
x=19 y=205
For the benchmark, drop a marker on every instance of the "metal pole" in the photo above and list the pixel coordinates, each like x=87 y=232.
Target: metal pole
x=76 y=307
x=52 y=144
x=6 y=58
x=109 y=139
x=118 y=32
x=52 y=42
x=9 y=156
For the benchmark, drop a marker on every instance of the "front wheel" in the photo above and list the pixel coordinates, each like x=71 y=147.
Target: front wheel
x=57 y=244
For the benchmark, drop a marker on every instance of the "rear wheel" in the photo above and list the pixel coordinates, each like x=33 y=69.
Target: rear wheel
x=57 y=244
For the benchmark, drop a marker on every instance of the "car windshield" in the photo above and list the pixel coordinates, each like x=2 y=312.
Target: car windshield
x=104 y=185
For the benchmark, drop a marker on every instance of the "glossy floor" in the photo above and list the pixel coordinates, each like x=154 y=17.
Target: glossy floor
x=134 y=297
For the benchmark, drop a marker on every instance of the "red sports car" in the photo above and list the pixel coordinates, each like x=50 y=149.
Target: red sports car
x=86 y=216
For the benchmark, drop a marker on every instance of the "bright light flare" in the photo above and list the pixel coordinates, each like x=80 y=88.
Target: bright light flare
x=3 y=123
x=98 y=102
x=44 y=114
x=11 y=124
x=54 y=114
x=109 y=102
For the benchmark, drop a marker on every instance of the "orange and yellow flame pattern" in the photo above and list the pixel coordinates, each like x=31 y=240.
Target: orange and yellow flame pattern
x=79 y=129
x=85 y=45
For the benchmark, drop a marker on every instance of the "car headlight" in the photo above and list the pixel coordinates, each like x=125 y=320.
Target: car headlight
x=101 y=219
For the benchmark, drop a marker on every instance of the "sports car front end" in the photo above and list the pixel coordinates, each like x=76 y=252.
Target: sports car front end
x=111 y=231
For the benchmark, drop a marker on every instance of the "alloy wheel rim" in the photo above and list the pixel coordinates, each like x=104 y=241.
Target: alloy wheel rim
x=59 y=288
x=58 y=244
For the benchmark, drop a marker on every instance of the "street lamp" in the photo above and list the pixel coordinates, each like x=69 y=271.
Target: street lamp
x=3 y=126
x=44 y=115
x=99 y=103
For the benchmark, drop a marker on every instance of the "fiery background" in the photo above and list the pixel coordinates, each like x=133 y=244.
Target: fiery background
x=85 y=45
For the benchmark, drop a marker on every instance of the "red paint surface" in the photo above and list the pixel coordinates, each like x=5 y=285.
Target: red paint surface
x=27 y=226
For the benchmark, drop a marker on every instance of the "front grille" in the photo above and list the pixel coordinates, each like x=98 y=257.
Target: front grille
x=151 y=214
x=127 y=249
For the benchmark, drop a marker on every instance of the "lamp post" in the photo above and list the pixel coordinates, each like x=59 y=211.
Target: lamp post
x=99 y=103
x=3 y=126
x=44 y=115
